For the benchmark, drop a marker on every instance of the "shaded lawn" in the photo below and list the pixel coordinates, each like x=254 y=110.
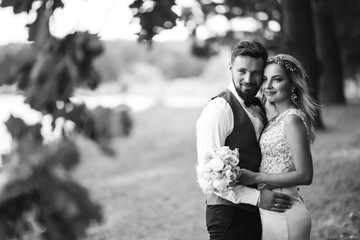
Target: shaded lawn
x=149 y=192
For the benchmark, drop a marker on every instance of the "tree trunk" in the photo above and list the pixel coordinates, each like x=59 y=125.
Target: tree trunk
x=331 y=80
x=299 y=41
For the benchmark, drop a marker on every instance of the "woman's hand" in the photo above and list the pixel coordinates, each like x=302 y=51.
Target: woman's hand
x=247 y=177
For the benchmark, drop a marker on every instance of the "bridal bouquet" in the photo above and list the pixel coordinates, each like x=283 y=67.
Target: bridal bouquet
x=218 y=170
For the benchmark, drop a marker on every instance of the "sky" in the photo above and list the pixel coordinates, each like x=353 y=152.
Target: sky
x=111 y=19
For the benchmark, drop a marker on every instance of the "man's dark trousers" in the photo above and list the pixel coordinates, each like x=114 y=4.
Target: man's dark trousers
x=225 y=222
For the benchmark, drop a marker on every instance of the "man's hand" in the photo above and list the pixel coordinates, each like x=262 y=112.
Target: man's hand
x=247 y=177
x=274 y=201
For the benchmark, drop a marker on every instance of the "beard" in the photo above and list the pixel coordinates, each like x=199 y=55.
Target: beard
x=248 y=94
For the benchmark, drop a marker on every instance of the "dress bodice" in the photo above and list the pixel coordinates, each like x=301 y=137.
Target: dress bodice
x=294 y=223
x=275 y=149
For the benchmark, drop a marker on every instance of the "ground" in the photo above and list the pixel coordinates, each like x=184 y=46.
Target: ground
x=148 y=190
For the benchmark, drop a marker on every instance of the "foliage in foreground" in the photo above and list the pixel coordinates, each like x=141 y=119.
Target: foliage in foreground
x=37 y=191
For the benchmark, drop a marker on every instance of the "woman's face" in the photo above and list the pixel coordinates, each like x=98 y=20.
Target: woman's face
x=276 y=85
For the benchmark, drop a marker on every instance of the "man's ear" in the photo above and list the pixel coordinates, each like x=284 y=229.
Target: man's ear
x=230 y=65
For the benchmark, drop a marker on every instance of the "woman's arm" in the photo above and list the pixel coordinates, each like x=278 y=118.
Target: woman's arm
x=296 y=135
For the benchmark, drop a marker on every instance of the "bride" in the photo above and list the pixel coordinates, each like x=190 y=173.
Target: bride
x=285 y=147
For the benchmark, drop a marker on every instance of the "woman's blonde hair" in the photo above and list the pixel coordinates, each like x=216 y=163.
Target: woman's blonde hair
x=300 y=81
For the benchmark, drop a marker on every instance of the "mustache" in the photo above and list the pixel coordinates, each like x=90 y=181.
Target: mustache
x=248 y=84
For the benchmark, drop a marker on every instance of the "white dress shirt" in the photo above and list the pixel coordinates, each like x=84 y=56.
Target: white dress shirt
x=214 y=125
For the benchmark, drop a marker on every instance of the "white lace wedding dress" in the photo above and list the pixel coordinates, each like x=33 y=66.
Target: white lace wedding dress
x=294 y=223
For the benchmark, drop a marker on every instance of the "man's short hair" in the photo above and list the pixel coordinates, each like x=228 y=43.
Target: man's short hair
x=249 y=48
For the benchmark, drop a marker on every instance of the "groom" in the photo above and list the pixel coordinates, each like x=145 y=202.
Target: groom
x=236 y=118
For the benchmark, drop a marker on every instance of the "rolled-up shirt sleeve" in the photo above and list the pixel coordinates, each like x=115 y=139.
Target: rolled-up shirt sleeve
x=212 y=128
x=241 y=194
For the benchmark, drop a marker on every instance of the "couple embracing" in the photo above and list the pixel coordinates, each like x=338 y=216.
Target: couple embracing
x=275 y=155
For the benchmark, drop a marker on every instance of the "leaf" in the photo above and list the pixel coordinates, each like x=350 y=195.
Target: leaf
x=57 y=4
x=154 y=20
x=40 y=182
x=136 y=4
x=16 y=127
x=92 y=77
x=67 y=209
x=64 y=153
x=83 y=48
x=99 y=124
x=12 y=219
x=52 y=79
x=15 y=66
x=19 y=6
x=15 y=183
x=80 y=115
x=22 y=78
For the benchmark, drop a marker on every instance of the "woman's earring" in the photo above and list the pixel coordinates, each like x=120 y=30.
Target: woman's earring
x=293 y=96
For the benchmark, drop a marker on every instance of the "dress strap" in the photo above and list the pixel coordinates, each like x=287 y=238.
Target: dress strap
x=300 y=114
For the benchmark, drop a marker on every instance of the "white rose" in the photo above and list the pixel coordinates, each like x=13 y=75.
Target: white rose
x=228 y=172
x=216 y=164
x=230 y=175
x=223 y=151
x=215 y=175
x=227 y=167
x=220 y=185
x=233 y=160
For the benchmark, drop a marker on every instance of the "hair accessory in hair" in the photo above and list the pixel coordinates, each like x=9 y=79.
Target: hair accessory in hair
x=281 y=61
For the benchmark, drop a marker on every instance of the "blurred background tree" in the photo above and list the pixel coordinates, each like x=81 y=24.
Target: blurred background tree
x=312 y=30
x=328 y=51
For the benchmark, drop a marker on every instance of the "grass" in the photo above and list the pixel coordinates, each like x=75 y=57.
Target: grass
x=149 y=192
